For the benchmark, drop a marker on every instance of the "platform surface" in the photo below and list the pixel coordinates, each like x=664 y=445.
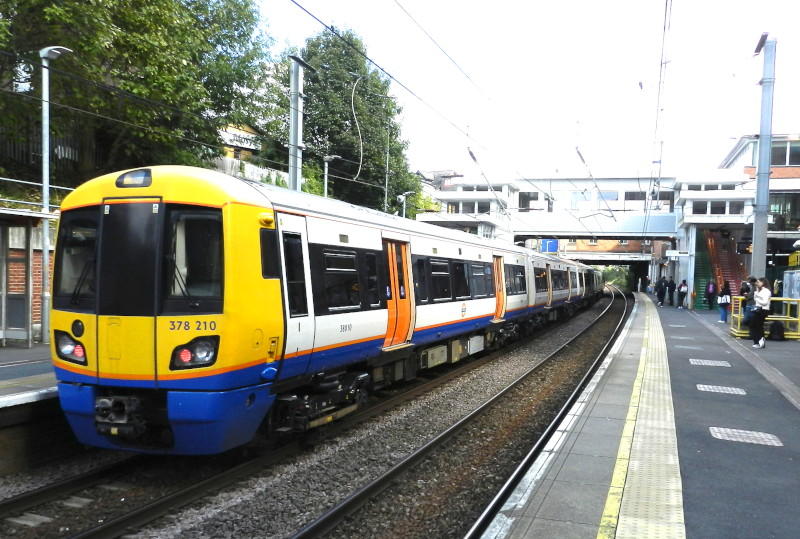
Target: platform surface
x=685 y=431
x=26 y=374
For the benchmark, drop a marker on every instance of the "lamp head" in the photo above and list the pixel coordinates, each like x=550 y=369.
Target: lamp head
x=51 y=53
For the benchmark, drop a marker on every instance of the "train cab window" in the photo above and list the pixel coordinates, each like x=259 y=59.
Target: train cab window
x=373 y=296
x=194 y=256
x=341 y=281
x=295 y=274
x=440 y=280
x=460 y=282
x=74 y=272
x=420 y=281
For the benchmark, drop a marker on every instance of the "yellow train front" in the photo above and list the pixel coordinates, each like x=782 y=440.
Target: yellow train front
x=157 y=343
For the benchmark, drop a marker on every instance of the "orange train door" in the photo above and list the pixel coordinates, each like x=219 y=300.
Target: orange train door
x=499 y=289
x=398 y=300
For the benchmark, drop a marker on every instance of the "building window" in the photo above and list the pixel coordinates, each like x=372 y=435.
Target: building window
x=699 y=207
x=727 y=187
x=717 y=207
x=484 y=207
x=694 y=187
x=623 y=242
x=794 y=153
x=593 y=241
x=778 y=157
x=572 y=241
x=736 y=207
x=634 y=195
x=608 y=195
x=579 y=196
x=525 y=199
x=467 y=207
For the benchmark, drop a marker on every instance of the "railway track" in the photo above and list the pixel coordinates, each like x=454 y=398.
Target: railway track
x=152 y=505
x=368 y=515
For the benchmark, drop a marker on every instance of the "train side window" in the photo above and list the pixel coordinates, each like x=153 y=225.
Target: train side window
x=341 y=281
x=481 y=286
x=420 y=281
x=509 y=279
x=540 y=279
x=295 y=274
x=488 y=276
x=460 y=282
x=478 y=279
x=440 y=280
x=373 y=296
x=270 y=258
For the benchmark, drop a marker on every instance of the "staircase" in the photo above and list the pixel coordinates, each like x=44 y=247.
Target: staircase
x=716 y=258
x=703 y=273
x=730 y=268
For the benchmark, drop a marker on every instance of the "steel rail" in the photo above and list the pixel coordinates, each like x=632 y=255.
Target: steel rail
x=330 y=519
x=485 y=519
x=27 y=500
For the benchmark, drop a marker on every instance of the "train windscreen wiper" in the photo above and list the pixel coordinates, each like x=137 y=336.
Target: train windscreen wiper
x=75 y=298
x=177 y=276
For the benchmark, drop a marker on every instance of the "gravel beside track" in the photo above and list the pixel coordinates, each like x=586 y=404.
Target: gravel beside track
x=289 y=496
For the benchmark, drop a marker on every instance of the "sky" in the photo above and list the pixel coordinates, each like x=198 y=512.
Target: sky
x=522 y=84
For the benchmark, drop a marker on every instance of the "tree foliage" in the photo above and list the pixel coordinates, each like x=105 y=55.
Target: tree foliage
x=350 y=114
x=147 y=82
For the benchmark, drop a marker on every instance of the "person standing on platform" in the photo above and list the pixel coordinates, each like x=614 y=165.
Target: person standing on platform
x=711 y=293
x=724 y=301
x=683 y=289
x=671 y=292
x=762 y=297
x=661 y=290
x=748 y=290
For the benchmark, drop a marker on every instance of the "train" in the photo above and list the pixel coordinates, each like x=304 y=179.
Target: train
x=192 y=311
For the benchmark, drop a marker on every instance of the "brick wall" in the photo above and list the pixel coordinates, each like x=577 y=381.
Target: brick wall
x=16 y=278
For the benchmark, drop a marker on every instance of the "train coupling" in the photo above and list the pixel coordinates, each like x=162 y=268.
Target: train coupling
x=119 y=416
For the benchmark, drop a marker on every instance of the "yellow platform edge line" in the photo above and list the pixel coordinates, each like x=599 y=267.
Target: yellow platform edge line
x=610 y=516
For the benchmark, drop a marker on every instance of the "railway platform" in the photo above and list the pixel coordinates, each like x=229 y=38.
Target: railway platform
x=685 y=431
x=26 y=375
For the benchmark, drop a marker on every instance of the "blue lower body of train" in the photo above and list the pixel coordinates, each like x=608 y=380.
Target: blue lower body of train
x=200 y=423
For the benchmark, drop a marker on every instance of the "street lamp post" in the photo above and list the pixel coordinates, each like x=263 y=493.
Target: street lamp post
x=46 y=54
x=327 y=159
x=402 y=198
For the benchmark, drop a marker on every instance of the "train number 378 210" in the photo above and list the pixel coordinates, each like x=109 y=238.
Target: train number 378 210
x=185 y=325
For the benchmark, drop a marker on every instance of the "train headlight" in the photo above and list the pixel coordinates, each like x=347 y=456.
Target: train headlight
x=199 y=352
x=69 y=349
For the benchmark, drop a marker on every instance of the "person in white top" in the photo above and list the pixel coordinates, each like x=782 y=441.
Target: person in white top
x=761 y=297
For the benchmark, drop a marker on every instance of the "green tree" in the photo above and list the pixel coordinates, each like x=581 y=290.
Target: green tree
x=147 y=82
x=349 y=113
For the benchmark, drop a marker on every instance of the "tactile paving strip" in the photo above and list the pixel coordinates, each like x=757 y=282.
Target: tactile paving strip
x=652 y=500
x=745 y=436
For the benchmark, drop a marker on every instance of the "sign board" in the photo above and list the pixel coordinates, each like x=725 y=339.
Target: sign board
x=672 y=253
x=549 y=246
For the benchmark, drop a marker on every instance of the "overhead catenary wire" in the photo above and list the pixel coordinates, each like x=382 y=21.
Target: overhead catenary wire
x=441 y=49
